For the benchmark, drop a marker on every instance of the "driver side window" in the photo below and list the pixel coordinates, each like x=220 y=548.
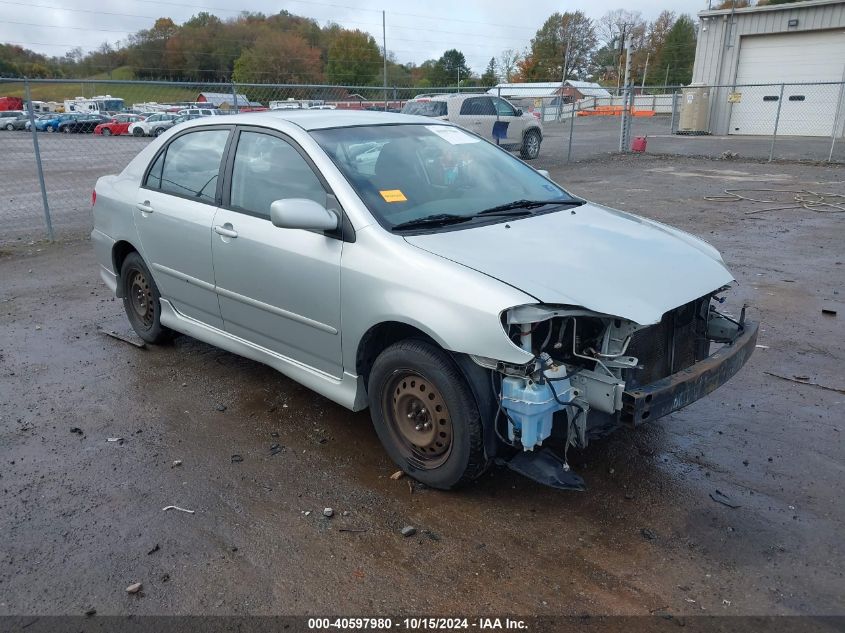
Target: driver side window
x=268 y=168
x=504 y=108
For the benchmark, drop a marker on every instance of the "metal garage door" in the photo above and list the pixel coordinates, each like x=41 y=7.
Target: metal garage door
x=808 y=110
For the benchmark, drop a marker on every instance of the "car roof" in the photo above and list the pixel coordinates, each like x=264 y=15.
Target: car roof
x=321 y=119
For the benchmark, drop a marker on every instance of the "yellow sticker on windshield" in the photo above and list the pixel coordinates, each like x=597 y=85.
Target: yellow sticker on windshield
x=393 y=195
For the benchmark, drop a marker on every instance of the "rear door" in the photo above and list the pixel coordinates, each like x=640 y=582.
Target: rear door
x=173 y=214
x=478 y=115
x=279 y=288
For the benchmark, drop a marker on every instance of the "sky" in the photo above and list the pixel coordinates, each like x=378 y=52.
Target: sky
x=416 y=31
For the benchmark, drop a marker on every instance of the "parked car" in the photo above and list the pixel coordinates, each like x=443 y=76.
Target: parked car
x=48 y=122
x=14 y=123
x=118 y=124
x=7 y=116
x=202 y=111
x=488 y=116
x=480 y=310
x=153 y=125
x=81 y=123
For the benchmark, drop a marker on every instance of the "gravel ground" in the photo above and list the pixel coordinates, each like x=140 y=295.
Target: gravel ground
x=81 y=517
x=73 y=163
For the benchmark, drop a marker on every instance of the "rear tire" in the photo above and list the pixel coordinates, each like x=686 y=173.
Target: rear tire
x=142 y=301
x=10 y=127
x=158 y=131
x=50 y=128
x=530 y=145
x=425 y=415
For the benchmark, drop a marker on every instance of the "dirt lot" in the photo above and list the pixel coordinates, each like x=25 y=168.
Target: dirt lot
x=81 y=517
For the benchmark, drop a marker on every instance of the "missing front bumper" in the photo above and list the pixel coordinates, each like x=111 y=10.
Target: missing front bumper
x=649 y=402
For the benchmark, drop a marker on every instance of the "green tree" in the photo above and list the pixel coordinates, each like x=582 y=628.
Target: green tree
x=450 y=68
x=489 y=77
x=354 y=59
x=561 y=31
x=679 y=51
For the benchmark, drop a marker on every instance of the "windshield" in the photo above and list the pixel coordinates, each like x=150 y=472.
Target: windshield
x=425 y=108
x=409 y=172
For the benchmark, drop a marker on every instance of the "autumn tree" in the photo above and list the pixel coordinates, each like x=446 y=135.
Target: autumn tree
x=279 y=57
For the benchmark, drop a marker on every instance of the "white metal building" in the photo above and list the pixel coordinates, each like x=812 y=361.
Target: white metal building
x=774 y=44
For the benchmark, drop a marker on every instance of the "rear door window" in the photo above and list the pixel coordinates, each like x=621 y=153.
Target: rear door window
x=190 y=167
x=478 y=106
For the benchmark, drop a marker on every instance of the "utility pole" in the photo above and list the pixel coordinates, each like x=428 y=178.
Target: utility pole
x=619 y=65
x=645 y=70
x=625 y=130
x=459 y=78
x=384 y=56
x=565 y=75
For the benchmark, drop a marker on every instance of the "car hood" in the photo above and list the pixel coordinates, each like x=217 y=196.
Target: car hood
x=590 y=256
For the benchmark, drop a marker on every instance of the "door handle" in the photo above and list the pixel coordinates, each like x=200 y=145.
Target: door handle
x=225 y=232
x=144 y=207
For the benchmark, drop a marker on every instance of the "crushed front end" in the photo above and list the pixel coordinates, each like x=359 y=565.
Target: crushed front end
x=592 y=373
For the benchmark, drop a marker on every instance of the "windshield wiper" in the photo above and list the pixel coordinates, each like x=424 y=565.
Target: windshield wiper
x=521 y=206
x=439 y=219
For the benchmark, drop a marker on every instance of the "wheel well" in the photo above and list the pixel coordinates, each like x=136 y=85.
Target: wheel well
x=119 y=252
x=380 y=337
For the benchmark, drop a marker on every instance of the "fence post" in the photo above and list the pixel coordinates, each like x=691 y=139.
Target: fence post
x=575 y=106
x=674 y=111
x=777 y=121
x=235 y=97
x=31 y=113
x=836 y=119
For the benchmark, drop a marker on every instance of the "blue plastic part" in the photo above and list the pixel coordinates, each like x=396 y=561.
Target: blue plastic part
x=530 y=407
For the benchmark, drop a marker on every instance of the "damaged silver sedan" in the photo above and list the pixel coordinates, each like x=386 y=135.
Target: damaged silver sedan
x=483 y=313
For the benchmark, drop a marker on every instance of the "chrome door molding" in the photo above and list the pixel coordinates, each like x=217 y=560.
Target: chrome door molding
x=183 y=277
x=255 y=303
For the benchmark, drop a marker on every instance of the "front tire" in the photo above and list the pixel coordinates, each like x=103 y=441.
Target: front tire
x=50 y=128
x=106 y=131
x=137 y=132
x=142 y=301
x=425 y=415
x=530 y=145
x=10 y=127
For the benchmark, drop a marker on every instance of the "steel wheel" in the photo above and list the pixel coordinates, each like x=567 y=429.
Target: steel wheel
x=141 y=298
x=418 y=419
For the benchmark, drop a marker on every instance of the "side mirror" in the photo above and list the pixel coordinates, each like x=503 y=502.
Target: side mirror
x=544 y=172
x=302 y=213
x=518 y=112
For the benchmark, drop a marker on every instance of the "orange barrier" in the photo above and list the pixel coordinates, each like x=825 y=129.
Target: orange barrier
x=615 y=111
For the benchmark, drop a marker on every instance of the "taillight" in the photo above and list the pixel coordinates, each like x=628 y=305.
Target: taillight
x=93 y=197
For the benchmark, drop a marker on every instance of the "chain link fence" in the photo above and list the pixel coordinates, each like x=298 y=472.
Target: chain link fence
x=49 y=168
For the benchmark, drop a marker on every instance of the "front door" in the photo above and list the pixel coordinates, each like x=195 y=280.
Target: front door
x=173 y=213
x=509 y=126
x=279 y=288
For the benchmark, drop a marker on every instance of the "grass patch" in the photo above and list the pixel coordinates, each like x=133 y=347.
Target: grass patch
x=130 y=93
